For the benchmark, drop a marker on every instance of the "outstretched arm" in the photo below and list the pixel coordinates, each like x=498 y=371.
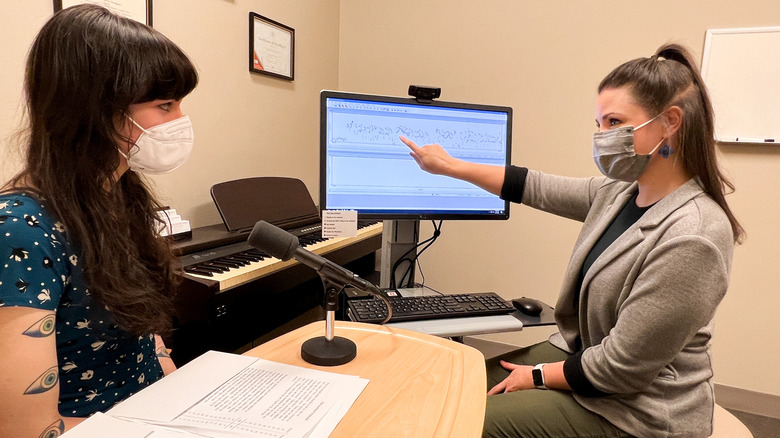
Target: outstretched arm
x=434 y=159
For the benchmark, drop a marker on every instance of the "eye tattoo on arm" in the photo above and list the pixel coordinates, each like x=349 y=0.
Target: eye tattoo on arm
x=54 y=430
x=45 y=382
x=159 y=347
x=162 y=352
x=42 y=328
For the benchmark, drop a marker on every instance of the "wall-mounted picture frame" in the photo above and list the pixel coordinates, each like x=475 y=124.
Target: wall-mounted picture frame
x=138 y=10
x=271 y=47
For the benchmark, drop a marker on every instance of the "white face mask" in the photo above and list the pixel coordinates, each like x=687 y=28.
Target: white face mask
x=161 y=148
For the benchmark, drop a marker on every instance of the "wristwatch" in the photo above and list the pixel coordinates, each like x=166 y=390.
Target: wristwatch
x=538 y=376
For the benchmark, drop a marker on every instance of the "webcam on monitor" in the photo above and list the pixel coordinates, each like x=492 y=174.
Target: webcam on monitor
x=424 y=93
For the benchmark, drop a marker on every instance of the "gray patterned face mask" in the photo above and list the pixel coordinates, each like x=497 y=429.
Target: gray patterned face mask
x=614 y=154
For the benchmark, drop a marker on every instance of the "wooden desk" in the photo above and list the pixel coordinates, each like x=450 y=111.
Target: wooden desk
x=419 y=385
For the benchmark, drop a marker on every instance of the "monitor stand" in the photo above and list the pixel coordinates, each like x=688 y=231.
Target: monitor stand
x=398 y=237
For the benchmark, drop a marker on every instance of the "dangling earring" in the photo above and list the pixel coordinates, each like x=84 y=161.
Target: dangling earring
x=666 y=150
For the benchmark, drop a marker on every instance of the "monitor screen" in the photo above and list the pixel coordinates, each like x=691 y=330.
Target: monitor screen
x=364 y=166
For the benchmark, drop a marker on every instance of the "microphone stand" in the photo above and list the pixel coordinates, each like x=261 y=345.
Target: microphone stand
x=329 y=350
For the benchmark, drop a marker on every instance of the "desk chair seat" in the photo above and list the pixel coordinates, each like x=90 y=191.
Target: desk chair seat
x=728 y=426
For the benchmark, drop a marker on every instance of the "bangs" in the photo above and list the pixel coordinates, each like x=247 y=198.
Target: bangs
x=167 y=73
x=164 y=72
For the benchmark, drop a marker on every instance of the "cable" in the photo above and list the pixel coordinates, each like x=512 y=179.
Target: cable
x=434 y=290
x=378 y=293
x=411 y=260
x=428 y=243
x=436 y=234
x=422 y=274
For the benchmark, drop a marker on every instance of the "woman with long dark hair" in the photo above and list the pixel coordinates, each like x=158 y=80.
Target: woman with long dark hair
x=633 y=353
x=86 y=282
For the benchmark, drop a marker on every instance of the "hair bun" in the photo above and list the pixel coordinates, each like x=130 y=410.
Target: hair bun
x=672 y=52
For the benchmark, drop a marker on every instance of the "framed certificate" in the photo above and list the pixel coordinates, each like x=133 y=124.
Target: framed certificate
x=271 y=47
x=138 y=10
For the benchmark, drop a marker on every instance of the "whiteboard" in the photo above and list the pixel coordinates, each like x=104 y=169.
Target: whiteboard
x=741 y=68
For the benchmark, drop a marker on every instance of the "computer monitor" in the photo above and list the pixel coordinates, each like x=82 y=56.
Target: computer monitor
x=364 y=166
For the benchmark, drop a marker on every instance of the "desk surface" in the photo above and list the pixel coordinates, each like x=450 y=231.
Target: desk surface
x=419 y=385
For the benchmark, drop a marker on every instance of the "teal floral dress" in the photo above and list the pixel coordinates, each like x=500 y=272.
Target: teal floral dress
x=98 y=364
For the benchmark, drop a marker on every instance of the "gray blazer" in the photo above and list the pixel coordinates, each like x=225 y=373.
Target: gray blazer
x=646 y=305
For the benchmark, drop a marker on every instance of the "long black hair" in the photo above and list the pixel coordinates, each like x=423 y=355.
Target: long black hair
x=670 y=77
x=84 y=69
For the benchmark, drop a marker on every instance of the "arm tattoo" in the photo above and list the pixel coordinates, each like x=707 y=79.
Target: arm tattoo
x=42 y=328
x=45 y=382
x=162 y=352
x=159 y=347
x=54 y=430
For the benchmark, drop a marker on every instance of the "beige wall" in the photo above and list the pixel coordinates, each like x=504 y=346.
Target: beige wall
x=245 y=124
x=543 y=58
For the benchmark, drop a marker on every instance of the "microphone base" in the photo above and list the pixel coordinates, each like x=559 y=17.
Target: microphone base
x=321 y=351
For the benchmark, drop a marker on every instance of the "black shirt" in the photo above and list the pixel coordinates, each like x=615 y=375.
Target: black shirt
x=572 y=367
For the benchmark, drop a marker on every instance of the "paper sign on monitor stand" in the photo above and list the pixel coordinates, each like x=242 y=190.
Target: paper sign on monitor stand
x=339 y=223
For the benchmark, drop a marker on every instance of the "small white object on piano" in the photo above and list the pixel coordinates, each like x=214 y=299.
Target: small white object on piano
x=174 y=224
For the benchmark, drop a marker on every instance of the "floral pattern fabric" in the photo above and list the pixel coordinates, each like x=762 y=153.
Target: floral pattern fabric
x=99 y=364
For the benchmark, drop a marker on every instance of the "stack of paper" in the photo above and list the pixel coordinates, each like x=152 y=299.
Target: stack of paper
x=226 y=395
x=173 y=223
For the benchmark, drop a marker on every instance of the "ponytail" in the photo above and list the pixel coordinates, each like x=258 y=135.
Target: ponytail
x=671 y=78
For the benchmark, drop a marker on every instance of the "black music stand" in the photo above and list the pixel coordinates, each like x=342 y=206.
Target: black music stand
x=284 y=202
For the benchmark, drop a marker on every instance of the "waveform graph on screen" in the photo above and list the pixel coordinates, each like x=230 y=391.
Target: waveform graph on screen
x=364 y=166
x=455 y=135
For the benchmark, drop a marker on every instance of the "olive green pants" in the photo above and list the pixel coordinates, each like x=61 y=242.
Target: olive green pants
x=538 y=413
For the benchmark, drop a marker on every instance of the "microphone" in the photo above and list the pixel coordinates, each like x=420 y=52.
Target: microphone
x=325 y=350
x=278 y=243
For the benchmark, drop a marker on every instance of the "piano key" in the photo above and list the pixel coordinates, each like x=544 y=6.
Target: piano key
x=221 y=263
x=210 y=268
x=245 y=258
x=235 y=276
x=194 y=270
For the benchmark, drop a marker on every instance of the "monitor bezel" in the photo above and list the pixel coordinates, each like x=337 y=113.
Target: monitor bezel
x=328 y=94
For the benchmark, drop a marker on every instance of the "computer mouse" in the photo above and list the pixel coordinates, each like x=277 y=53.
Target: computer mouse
x=528 y=306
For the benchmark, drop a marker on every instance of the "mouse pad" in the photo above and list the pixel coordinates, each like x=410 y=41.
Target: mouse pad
x=544 y=318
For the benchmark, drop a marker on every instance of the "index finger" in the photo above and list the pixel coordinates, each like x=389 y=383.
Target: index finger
x=498 y=389
x=412 y=145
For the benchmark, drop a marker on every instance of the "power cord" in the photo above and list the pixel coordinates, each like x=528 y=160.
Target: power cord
x=411 y=260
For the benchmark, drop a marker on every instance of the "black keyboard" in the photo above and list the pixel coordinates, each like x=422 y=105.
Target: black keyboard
x=428 y=307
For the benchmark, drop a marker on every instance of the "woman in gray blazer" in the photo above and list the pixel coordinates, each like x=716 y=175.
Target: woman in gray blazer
x=633 y=353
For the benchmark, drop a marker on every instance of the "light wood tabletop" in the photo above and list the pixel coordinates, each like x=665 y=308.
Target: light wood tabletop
x=419 y=385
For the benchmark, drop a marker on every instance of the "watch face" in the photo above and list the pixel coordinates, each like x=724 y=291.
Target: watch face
x=536 y=374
